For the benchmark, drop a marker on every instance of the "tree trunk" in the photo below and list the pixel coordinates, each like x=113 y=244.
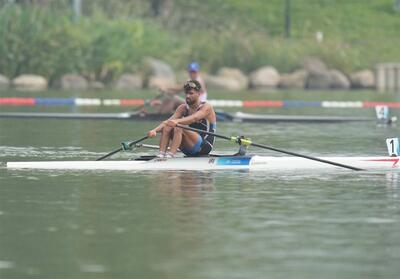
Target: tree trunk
x=160 y=8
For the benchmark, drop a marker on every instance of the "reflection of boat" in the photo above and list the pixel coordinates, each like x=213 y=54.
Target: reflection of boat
x=184 y=184
x=264 y=163
x=221 y=116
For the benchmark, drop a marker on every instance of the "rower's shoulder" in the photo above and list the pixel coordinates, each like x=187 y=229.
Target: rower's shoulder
x=207 y=105
x=210 y=108
x=179 y=111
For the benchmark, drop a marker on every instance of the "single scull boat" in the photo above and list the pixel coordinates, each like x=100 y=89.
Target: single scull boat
x=254 y=162
x=238 y=161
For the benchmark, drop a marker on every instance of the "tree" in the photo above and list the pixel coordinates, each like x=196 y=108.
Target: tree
x=160 y=8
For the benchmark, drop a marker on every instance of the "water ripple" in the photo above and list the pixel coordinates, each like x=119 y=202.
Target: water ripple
x=45 y=152
x=6 y=264
x=92 y=268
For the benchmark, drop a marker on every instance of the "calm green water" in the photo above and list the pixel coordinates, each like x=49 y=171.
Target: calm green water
x=91 y=224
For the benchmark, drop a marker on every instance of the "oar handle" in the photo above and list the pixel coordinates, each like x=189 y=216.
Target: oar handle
x=248 y=142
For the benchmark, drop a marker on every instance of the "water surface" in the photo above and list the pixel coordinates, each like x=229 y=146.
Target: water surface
x=225 y=224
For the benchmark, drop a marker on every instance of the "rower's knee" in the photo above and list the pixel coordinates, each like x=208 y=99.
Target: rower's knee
x=167 y=129
x=177 y=130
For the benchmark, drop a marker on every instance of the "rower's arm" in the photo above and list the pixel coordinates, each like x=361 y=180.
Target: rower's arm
x=177 y=114
x=198 y=115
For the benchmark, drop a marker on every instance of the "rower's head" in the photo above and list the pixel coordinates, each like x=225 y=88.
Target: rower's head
x=193 y=69
x=192 y=91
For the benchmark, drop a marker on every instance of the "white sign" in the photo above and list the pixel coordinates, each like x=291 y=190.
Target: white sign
x=382 y=112
x=393 y=146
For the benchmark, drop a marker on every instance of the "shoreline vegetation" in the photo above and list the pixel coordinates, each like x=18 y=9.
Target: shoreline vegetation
x=240 y=44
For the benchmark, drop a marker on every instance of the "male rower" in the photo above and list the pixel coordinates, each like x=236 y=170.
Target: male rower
x=196 y=114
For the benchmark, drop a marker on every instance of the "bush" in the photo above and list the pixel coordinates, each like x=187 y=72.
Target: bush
x=114 y=36
x=51 y=44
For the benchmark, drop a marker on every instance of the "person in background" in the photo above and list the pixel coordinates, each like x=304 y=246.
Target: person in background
x=194 y=74
x=168 y=101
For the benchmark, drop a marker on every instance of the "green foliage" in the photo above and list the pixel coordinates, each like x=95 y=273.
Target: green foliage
x=114 y=36
x=34 y=41
x=357 y=34
x=37 y=41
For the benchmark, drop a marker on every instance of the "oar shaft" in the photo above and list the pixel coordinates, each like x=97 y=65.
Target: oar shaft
x=202 y=132
x=273 y=149
x=306 y=157
x=109 y=154
x=120 y=149
x=137 y=141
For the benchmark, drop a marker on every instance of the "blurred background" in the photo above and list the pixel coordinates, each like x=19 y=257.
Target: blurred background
x=313 y=44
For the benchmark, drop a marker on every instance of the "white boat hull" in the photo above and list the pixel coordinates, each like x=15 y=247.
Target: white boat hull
x=216 y=163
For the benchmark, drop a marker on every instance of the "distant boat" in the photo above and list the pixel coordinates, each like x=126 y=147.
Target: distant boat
x=221 y=116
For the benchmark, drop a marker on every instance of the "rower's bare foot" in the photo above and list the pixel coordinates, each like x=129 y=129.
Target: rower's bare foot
x=169 y=155
x=160 y=155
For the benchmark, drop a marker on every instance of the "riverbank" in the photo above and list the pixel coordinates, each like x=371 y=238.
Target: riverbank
x=306 y=95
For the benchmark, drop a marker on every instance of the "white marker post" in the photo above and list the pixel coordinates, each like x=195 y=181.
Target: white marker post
x=393 y=146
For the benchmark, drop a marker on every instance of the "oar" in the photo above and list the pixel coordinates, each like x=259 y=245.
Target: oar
x=248 y=142
x=147 y=101
x=120 y=149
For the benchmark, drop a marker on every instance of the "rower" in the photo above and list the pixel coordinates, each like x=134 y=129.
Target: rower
x=167 y=103
x=196 y=114
x=164 y=103
x=193 y=69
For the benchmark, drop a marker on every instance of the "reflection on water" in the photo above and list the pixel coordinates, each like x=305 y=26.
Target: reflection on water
x=392 y=179
x=184 y=183
x=49 y=153
x=146 y=224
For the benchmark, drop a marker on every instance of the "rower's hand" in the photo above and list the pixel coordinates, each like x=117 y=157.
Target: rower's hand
x=151 y=133
x=171 y=123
